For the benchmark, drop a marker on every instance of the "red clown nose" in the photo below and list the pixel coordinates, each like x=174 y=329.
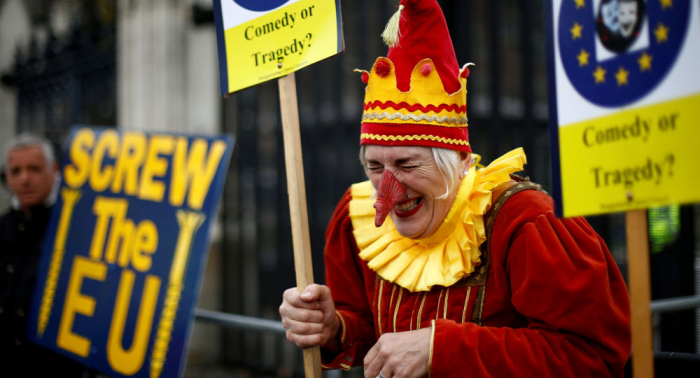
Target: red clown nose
x=389 y=193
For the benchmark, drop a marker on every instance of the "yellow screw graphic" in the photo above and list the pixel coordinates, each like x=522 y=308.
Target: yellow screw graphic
x=189 y=222
x=70 y=198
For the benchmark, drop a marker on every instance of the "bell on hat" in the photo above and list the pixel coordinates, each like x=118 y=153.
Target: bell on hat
x=417 y=95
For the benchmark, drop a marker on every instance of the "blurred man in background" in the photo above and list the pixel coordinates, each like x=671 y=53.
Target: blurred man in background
x=31 y=174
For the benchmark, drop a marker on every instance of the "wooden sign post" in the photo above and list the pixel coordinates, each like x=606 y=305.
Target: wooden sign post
x=260 y=41
x=640 y=289
x=649 y=85
x=297 y=203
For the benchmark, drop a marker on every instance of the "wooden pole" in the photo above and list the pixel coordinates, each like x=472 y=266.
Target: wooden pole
x=297 y=204
x=640 y=293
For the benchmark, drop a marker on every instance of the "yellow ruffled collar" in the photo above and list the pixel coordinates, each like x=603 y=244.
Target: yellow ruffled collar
x=448 y=255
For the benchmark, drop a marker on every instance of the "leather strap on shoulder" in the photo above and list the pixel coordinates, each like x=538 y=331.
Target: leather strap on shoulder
x=516 y=185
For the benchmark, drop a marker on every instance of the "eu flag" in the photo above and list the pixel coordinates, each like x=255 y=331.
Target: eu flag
x=615 y=52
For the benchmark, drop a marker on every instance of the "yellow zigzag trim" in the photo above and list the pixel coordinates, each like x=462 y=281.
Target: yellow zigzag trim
x=415 y=118
x=414 y=137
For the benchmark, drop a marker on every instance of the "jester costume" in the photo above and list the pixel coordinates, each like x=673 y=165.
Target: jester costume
x=506 y=287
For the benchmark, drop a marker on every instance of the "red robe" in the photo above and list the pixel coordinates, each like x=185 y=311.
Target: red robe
x=553 y=305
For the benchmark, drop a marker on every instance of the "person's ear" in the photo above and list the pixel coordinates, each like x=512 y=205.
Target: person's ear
x=466 y=160
x=54 y=168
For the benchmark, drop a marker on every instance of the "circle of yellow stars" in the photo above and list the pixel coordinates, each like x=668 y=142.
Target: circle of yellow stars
x=661 y=33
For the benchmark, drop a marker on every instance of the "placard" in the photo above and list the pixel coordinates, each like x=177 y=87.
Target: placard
x=125 y=248
x=261 y=40
x=624 y=103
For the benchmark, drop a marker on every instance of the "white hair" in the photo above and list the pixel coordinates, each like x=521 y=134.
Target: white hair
x=25 y=140
x=449 y=163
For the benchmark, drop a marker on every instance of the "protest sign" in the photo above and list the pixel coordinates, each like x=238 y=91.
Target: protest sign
x=127 y=241
x=624 y=95
x=261 y=40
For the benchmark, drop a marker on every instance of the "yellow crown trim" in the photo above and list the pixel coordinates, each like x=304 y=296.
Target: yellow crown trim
x=414 y=137
x=425 y=89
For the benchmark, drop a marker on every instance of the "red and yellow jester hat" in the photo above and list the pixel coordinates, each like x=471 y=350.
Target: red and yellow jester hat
x=417 y=95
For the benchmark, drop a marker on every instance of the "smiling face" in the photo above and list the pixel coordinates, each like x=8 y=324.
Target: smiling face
x=628 y=17
x=422 y=213
x=29 y=177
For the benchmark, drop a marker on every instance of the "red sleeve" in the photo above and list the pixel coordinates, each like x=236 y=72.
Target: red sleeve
x=351 y=283
x=563 y=281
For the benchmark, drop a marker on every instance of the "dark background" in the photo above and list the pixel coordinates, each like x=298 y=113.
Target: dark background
x=75 y=82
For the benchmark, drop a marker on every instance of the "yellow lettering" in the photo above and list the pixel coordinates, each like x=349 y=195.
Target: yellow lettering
x=123 y=231
x=76 y=302
x=129 y=362
x=127 y=166
x=105 y=209
x=101 y=177
x=77 y=173
x=145 y=245
x=192 y=171
x=155 y=166
x=126 y=241
x=121 y=234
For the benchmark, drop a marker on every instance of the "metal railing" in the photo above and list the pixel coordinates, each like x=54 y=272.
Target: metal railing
x=675 y=304
x=250 y=323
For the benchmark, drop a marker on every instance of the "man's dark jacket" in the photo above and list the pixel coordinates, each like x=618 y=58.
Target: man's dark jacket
x=21 y=238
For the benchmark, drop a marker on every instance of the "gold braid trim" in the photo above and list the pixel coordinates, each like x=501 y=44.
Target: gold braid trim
x=406 y=117
x=342 y=325
x=432 y=342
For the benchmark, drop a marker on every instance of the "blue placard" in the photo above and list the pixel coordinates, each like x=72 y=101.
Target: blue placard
x=125 y=248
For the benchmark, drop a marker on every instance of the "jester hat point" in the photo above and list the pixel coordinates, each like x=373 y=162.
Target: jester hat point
x=417 y=94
